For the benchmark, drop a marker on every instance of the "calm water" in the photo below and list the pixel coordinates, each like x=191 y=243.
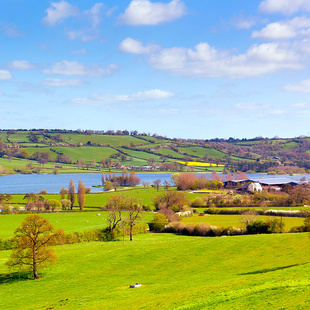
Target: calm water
x=21 y=184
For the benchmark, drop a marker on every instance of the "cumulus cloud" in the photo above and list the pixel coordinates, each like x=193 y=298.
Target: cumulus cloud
x=62 y=83
x=59 y=11
x=100 y=99
x=283 y=30
x=284 y=6
x=206 y=61
x=5 y=75
x=21 y=65
x=133 y=46
x=275 y=31
x=301 y=87
x=66 y=67
x=145 y=12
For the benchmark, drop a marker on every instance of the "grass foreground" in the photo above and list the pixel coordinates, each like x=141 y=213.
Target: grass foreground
x=176 y=272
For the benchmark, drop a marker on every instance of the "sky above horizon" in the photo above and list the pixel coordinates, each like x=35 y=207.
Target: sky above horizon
x=181 y=69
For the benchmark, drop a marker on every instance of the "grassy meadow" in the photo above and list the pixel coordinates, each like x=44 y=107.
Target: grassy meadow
x=69 y=222
x=176 y=272
x=236 y=220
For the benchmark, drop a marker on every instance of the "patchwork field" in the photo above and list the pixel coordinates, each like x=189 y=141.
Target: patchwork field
x=176 y=272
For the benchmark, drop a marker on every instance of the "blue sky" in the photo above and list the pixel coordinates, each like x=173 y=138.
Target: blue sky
x=184 y=69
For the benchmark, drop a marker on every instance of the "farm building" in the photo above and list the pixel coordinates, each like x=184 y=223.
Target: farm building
x=275 y=184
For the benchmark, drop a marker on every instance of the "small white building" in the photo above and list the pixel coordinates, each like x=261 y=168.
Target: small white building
x=254 y=187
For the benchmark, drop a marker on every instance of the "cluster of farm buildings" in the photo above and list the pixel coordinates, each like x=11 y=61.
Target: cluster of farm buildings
x=258 y=185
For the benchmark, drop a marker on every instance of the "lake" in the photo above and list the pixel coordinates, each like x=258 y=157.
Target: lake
x=27 y=183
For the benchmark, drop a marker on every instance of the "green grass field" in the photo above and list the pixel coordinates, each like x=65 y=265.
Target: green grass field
x=67 y=221
x=269 y=272
x=235 y=220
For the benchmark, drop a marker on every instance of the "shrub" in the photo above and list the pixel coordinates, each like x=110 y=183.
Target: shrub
x=198 y=203
x=265 y=227
x=158 y=223
x=106 y=234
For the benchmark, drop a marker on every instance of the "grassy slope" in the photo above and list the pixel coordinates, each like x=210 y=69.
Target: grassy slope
x=105 y=139
x=176 y=272
x=200 y=151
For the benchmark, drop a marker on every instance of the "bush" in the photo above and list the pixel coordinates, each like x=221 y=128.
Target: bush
x=158 y=223
x=265 y=227
x=106 y=234
x=198 y=203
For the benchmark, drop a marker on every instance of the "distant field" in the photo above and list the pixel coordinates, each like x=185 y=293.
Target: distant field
x=100 y=199
x=67 y=221
x=269 y=272
x=141 y=154
x=201 y=151
x=19 y=137
x=104 y=139
x=234 y=220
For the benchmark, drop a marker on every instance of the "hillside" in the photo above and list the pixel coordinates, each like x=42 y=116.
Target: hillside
x=64 y=151
x=176 y=272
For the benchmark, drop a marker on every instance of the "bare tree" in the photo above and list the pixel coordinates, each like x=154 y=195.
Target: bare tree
x=115 y=206
x=134 y=209
x=157 y=183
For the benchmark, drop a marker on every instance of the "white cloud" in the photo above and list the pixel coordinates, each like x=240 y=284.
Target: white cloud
x=275 y=31
x=66 y=67
x=62 y=10
x=205 y=61
x=59 y=11
x=145 y=12
x=133 y=46
x=85 y=35
x=95 y=14
x=284 y=6
x=283 y=30
x=100 y=99
x=61 y=83
x=243 y=22
x=5 y=75
x=21 y=65
x=301 y=87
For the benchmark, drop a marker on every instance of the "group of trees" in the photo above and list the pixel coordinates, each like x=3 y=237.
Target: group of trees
x=110 y=180
x=71 y=194
x=123 y=211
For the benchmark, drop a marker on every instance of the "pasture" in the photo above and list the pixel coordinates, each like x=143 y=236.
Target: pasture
x=68 y=221
x=267 y=272
x=236 y=220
